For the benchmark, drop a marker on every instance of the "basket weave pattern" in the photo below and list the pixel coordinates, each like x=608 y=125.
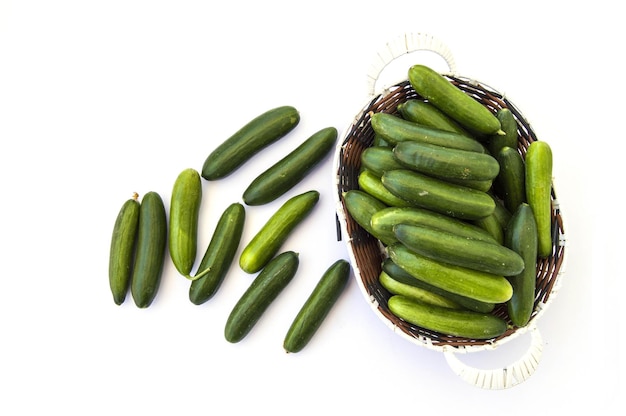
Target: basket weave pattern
x=368 y=252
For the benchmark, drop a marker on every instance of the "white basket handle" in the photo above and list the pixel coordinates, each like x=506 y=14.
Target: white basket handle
x=501 y=378
x=407 y=43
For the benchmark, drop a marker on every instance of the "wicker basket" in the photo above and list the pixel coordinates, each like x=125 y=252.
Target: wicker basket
x=367 y=253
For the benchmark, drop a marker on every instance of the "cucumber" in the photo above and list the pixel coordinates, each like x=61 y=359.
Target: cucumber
x=361 y=206
x=452 y=101
x=399 y=274
x=290 y=170
x=423 y=112
x=369 y=182
x=501 y=214
x=249 y=140
x=438 y=195
x=443 y=162
x=270 y=238
x=394 y=129
x=378 y=160
x=539 y=191
x=485 y=287
x=122 y=251
x=521 y=237
x=492 y=226
x=453 y=249
x=496 y=142
x=459 y=323
x=183 y=227
x=317 y=306
x=263 y=290
x=510 y=184
x=219 y=254
x=150 y=252
x=383 y=221
x=397 y=287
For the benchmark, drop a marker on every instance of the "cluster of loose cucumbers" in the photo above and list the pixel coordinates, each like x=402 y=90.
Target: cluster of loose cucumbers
x=462 y=213
x=142 y=232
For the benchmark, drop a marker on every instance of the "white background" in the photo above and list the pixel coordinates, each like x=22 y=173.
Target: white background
x=99 y=99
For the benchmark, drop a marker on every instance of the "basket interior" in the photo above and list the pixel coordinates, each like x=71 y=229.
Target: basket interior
x=367 y=251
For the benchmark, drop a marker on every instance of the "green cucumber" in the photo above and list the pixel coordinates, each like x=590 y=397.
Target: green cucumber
x=263 y=290
x=521 y=237
x=492 y=226
x=183 y=222
x=371 y=183
x=317 y=306
x=361 y=206
x=397 y=287
x=219 y=254
x=510 y=185
x=485 y=287
x=122 y=251
x=150 y=253
x=539 y=192
x=383 y=221
x=453 y=249
x=452 y=101
x=496 y=142
x=379 y=159
x=270 y=238
x=399 y=274
x=249 y=140
x=394 y=129
x=444 y=162
x=459 y=323
x=438 y=195
x=291 y=169
x=423 y=112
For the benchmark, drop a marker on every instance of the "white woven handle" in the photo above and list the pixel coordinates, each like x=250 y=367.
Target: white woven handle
x=500 y=378
x=409 y=42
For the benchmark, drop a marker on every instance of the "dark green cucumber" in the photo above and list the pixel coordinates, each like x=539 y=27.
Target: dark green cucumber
x=183 y=222
x=249 y=140
x=150 y=253
x=399 y=274
x=122 y=251
x=539 y=192
x=510 y=184
x=219 y=254
x=521 y=237
x=452 y=101
x=290 y=170
x=496 y=142
x=485 y=287
x=438 y=195
x=361 y=206
x=263 y=290
x=453 y=249
x=445 y=162
x=423 y=112
x=459 y=323
x=397 y=287
x=379 y=159
x=270 y=238
x=383 y=221
x=317 y=306
x=371 y=183
x=492 y=226
x=394 y=129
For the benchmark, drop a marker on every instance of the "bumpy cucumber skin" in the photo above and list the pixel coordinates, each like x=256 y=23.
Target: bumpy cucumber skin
x=361 y=206
x=150 y=254
x=263 y=290
x=397 y=287
x=496 y=142
x=290 y=170
x=379 y=159
x=185 y=204
x=453 y=249
x=521 y=237
x=269 y=239
x=460 y=323
x=317 y=306
x=121 y=254
x=369 y=182
x=538 y=192
x=425 y=113
x=438 y=195
x=451 y=100
x=219 y=254
x=511 y=181
x=446 y=162
x=256 y=135
x=474 y=284
x=394 y=129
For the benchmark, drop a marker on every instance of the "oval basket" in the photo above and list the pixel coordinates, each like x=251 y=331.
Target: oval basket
x=367 y=253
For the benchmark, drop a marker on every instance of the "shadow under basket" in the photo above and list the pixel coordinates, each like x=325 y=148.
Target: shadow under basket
x=367 y=253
